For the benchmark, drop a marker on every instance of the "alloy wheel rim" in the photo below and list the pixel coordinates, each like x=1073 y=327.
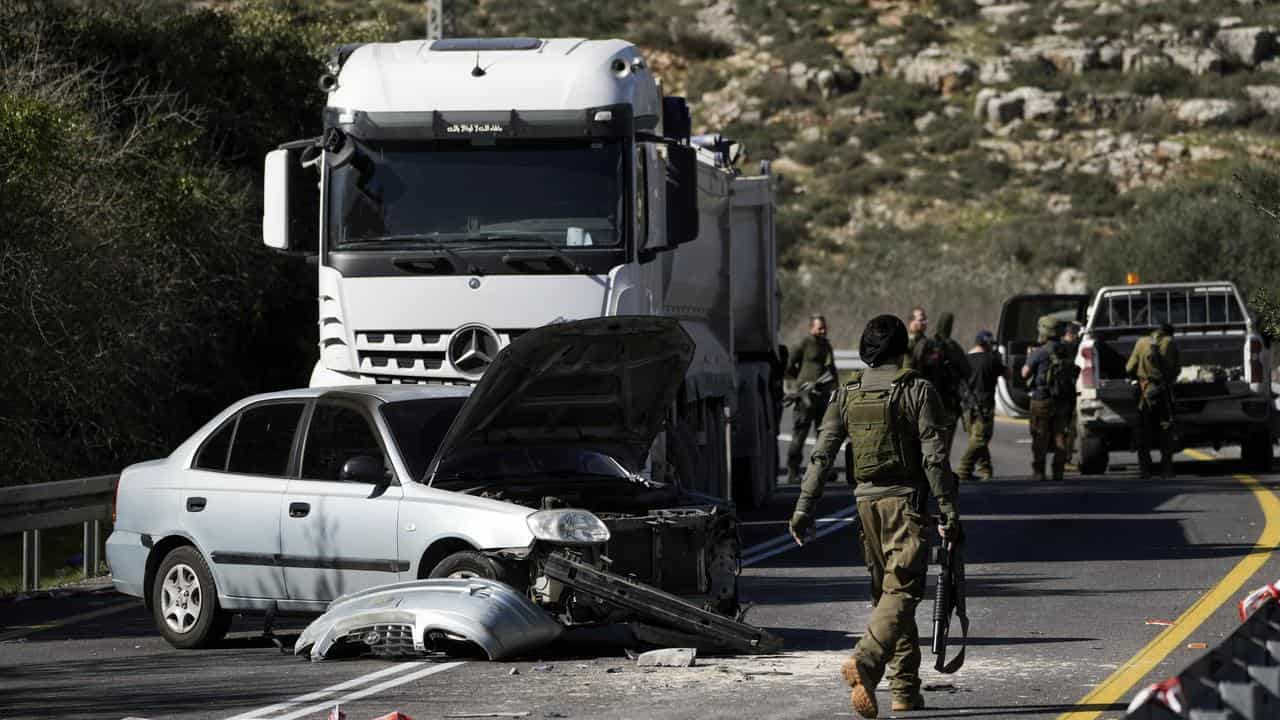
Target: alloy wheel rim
x=181 y=598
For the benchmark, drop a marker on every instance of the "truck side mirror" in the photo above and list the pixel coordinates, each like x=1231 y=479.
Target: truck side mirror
x=682 y=194
x=290 y=203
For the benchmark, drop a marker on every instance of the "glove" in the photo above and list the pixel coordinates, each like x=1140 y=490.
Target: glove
x=950 y=527
x=801 y=525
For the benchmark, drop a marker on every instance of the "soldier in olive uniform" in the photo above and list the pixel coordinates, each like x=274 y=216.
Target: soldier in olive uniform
x=1050 y=377
x=947 y=368
x=986 y=368
x=811 y=364
x=917 y=336
x=1155 y=365
x=894 y=422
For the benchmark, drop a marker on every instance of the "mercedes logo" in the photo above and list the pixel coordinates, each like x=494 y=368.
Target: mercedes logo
x=472 y=349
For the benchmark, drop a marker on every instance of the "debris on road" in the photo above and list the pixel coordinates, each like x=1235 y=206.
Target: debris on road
x=1165 y=623
x=514 y=671
x=412 y=618
x=940 y=687
x=393 y=715
x=543 y=668
x=495 y=714
x=657 y=606
x=668 y=657
x=337 y=714
x=1197 y=646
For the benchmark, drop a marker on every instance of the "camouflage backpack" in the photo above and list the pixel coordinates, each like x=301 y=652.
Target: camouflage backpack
x=875 y=426
x=1059 y=379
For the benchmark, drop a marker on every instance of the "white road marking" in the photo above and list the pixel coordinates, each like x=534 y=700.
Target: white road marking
x=350 y=697
x=807 y=441
x=332 y=689
x=783 y=543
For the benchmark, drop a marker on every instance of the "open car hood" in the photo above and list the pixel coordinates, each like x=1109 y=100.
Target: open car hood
x=603 y=384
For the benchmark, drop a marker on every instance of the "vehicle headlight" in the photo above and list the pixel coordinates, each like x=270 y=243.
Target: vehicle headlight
x=572 y=527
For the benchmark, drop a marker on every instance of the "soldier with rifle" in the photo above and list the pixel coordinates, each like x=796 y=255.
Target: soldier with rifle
x=811 y=365
x=895 y=423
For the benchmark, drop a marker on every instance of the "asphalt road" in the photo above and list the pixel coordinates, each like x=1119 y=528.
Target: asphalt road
x=1065 y=580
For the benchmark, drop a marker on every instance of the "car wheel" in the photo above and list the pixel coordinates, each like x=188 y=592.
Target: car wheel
x=467 y=564
x=1093 y=454
x=184 y=601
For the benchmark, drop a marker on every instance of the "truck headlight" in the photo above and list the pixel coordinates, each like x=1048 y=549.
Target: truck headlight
x=570 y=527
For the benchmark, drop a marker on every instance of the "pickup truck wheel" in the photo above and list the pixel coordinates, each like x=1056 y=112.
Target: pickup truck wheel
x=184 y=601
x=1093 y=454
x=1256 y=452
x=467 y=564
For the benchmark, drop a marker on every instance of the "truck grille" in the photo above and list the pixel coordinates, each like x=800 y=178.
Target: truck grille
x=388 y=640
x=412 y=356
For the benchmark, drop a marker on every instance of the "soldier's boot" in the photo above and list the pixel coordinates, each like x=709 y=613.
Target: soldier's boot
x=1037 y=473
x=904 y=703
x=862 y=697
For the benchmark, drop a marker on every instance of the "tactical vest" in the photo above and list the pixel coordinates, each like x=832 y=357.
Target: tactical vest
x=881 y=438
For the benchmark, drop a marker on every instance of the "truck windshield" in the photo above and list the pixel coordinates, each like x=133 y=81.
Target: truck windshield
x=564 y=193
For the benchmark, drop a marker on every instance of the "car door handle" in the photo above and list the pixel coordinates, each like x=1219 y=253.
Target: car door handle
x=299 y=509
x=195 y=504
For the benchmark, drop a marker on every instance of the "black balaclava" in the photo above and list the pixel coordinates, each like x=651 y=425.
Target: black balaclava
x=884 y=339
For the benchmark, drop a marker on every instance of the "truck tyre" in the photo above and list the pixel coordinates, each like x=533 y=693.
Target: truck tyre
x=1256 y=452
x=184 y=601
x=467 y=564
x=1093 y=454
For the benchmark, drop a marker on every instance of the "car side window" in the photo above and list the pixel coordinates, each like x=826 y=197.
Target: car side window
x=337 y=434
x=264 y=439
x=213 y=455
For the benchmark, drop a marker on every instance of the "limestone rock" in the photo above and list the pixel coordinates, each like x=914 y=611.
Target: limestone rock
x=985 y=95
x=1205 y=112
x=1247 y=45
x=1170 y=150
x=1198 y=60
x=940 y=71
x=1137 y=59
x=994 y=71
x=1266 y=97
x=1005 y=13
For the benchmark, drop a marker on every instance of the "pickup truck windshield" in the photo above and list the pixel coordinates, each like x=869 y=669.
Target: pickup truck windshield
x=559 y=193
x=1180 y=306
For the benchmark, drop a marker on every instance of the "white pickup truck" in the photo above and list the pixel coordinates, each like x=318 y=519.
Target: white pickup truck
x=1222 y=397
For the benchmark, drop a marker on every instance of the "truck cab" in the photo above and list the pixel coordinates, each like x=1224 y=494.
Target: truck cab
x=470 y=190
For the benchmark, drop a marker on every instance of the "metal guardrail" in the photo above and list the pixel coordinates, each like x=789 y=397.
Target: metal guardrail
x=849 y=360
x=29 y=509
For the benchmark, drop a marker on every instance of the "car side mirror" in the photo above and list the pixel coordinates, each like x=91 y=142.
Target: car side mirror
x=363 y=469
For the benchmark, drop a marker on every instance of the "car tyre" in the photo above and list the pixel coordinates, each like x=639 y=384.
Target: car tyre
x=184 y=601
x=468 y=564
x=1093 y=454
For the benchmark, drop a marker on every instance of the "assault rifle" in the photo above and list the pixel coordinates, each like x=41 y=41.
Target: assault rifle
x=803 y=397
x=949 y=599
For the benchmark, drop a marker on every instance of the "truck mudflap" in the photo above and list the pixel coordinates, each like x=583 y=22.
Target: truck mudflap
x=653 y=605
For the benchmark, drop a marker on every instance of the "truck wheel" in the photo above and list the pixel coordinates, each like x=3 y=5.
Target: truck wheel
x=1256 y=452
x=184 y=601
x=467 y=564
x=1093 y=454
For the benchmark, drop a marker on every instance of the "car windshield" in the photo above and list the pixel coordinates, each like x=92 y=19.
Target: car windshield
x=418 y=427
x=559 y=193
x=485 y=465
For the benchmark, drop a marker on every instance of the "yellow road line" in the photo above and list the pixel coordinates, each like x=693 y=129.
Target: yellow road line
x=1137 y=667
x=92 y=614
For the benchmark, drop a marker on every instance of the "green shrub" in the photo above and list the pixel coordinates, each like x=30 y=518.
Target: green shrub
x=866 y=179
x=703 y=78
x=1092 y=196
x=1038 y=73
x=919 y=32
x=951 y=135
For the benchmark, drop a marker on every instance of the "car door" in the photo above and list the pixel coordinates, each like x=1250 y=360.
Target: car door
x=1016 y=335
x=338 y=535
x=231 y=504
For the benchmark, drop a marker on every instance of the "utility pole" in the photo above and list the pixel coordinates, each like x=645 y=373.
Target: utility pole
x=439 y=19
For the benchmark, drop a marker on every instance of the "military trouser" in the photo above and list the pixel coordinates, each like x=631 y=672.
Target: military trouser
x=807 y=414
x=1049 y=423
x=980 y=424
x=897 y=554
x=1155 y=418
x=953 y=413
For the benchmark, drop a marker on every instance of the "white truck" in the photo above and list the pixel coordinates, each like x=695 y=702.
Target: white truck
x=473 y=189
x=1222 y=397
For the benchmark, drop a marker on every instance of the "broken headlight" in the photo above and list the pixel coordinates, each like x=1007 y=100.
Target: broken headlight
x=570 y=527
